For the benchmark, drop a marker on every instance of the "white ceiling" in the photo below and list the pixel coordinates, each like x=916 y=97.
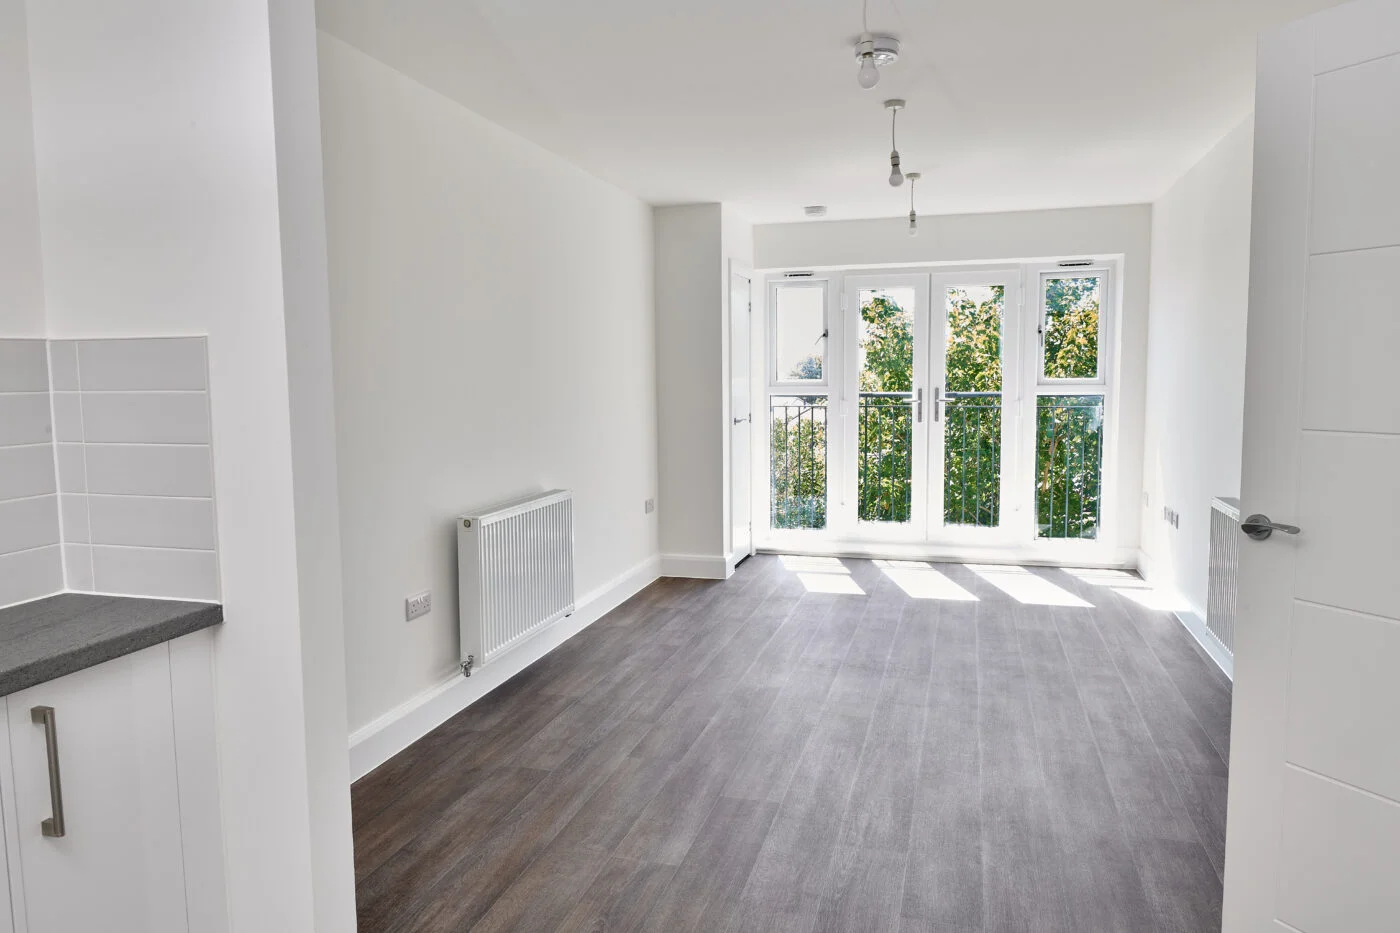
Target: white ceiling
x=1013 y=104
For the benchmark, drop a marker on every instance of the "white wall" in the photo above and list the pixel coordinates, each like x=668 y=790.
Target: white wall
x=695 y=245
x=21 y=267
x=1090 y=232
x=176 y=175
x=493 y=336
x=1195 y=369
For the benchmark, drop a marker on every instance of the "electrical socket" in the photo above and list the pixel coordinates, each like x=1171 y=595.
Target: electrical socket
x=650 y=506
x=420 y=604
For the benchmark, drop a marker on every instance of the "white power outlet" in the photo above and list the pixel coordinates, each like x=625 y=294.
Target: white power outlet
x=419 y=604
x=650 y=506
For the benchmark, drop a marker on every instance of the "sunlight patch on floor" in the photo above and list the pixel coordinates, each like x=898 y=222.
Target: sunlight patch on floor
x=920 y=580
x=1117 y=579
x=1025 y=587
x=822 y=575
x=1156 y=600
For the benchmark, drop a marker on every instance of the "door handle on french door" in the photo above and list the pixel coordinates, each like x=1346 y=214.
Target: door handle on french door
x=937 y=397
x=1260 y=527
x=44 y=716
x=919 y=405
x=741 y=420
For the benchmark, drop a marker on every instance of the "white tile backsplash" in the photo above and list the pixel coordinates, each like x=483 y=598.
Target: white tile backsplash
x=106 y=470
x=23 y=366
x=73 y=516
x=26 y=575
x=149 y=470
x=28 y=523
x=63 y=365
x=77 y=565
x=152 y=522
x=27 y=471
x=136 y=571
x=126 y=365
x=24 y=418
x=72 y=468
x=68 y=417
x=146 y=417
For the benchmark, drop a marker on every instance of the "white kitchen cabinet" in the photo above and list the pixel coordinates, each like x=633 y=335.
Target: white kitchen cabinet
x=127 y=733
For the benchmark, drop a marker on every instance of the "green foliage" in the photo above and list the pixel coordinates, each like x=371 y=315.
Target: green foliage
x=1068 y=457
x=886 y=426
x=798 y=462
x=809 y=368
x=972 y=426
x=1072 y=328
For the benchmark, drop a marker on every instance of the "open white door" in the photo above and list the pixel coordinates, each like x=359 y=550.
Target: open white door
x=1313 y=839
x=741 y=412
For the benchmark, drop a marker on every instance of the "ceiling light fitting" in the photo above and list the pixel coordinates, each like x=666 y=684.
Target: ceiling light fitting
x=874 y=52
x=913 y=217
x=894 y=106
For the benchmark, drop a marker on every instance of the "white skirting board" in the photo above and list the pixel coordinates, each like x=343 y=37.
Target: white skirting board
x=696 y=566
x=1194 y=622
x=373 y=744
x=1196 y=625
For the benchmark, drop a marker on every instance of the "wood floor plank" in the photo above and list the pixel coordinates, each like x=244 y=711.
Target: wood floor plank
x=754 y=755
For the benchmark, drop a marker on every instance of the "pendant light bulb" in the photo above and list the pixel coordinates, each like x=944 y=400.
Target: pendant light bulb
x=896 y=176
x=869 y=75
x=913 y=224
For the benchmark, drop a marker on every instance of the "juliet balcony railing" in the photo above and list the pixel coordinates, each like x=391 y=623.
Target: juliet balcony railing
x=885 y=456
x=1068 y=460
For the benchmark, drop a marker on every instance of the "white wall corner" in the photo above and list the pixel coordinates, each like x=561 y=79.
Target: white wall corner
x=382 y=739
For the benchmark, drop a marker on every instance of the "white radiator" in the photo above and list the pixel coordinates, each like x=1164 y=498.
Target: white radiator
x=1224 y=575
x=516 y=571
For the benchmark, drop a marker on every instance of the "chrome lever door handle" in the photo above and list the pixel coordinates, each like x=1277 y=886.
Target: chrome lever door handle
x=1260 y=527
x=741 y=420
x=919 y=405
x=44 y=716
x=937 y=398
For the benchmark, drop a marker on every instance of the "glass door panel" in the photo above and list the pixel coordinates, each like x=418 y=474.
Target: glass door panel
x=972 y=411
x=972 y=442
x=886 y=395
x=885 y=427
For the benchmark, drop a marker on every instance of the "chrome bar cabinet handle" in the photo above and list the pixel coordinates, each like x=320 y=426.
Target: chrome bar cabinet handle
x=44 y=716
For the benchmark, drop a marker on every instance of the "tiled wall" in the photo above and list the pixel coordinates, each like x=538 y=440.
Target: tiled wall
x=30 y=562
x=135 y=472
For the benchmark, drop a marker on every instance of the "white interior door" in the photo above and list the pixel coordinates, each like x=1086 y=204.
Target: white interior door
x=741 y=412
x=1313 y=839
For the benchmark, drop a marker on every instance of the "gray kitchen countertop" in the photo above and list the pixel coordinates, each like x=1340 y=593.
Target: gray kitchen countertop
x=47 y=638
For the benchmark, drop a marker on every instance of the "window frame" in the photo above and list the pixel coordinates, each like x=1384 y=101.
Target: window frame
x=772 y=381
x=1066 y=386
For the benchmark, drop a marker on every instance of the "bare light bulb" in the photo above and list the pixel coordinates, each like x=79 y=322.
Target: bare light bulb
x=913 y=224
x=869 y=74
x=896 y=176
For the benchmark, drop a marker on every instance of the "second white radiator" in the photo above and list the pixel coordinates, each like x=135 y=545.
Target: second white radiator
x=515 y=565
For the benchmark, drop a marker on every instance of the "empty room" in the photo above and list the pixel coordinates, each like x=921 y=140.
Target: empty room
x=853 y=466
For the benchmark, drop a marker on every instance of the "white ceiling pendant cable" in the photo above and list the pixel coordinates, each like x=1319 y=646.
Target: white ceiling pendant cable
x=894 y=106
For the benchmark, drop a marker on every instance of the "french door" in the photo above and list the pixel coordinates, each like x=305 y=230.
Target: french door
x=962 y=409
x=928 y=405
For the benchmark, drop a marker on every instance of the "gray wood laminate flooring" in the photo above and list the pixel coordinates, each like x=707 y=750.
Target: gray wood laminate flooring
x=762 y=755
